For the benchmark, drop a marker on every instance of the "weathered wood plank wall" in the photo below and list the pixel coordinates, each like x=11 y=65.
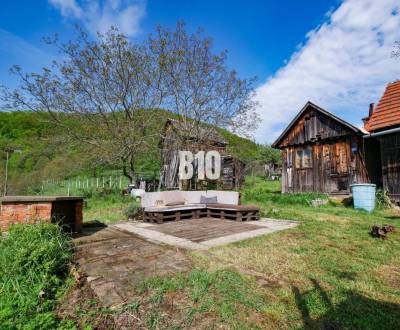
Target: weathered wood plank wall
x=390 y=156
x=320 y=154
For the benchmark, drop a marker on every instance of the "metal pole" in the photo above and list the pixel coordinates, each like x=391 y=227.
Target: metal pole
x=6 y=177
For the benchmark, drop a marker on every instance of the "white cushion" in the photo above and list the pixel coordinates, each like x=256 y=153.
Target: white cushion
x=193 y=197
x=188 y=197
x=172 y=196
x=225 y=197
x=149 y=198
x=174 y=208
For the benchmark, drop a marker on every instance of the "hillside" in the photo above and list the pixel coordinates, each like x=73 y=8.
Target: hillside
x=46 y=154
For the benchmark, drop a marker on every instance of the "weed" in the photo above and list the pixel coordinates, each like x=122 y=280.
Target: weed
x=34 y=263
x=223 y=293
x=132 y=210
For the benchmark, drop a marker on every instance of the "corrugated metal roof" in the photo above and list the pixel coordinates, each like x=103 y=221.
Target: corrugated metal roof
x=387 y=112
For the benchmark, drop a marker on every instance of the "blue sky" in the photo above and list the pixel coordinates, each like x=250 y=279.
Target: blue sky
x=334 y=53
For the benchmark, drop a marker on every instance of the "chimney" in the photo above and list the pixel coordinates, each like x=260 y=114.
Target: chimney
x=370 y=112
x=371 y=109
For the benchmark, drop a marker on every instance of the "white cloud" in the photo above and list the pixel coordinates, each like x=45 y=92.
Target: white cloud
x=68 y=8
x=343 y=66
x=99 y=16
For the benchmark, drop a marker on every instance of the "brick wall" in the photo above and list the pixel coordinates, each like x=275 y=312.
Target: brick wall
x=69 y=212
x=24 y=213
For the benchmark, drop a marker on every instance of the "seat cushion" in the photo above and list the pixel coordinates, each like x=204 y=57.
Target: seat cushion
x=233 y=207
x=172 y=196
x=208 y=200
x=225 y=197
x=175 y=208
x=192 y=197
x=149 y=199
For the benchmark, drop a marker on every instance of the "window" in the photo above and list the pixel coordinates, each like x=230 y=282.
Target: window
x=299 y=156
x=304 y=158
x=307 y=159
x=289 y=158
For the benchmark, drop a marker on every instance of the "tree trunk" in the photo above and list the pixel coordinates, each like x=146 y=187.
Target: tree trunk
x=128 y=171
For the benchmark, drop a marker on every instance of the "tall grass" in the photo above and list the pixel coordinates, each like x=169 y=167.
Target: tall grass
x=34 y=263
x=260 y=190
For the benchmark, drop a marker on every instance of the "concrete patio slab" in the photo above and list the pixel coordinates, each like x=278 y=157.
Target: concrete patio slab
x=204 y=233
x=118 y=257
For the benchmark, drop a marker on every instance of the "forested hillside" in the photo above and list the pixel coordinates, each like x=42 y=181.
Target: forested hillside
x=46 y=153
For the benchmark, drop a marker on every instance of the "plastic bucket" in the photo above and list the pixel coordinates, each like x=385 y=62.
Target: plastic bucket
x=364 y=196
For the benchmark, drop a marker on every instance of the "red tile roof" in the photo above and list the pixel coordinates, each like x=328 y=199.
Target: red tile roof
x=387 y=111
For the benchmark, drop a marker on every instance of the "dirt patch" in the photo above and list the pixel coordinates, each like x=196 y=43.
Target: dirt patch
x=81 y=306
x=390 y=275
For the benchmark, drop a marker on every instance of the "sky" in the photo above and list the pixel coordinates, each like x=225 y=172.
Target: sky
x=334 y=53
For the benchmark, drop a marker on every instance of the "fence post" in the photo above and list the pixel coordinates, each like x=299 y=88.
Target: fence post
x=110 y=181
x=103 y=181
x=120 y=182
x=97 y=182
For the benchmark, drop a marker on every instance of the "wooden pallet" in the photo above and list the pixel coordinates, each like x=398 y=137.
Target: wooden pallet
x=242 y=215
x=161 y=216
x=219 y=213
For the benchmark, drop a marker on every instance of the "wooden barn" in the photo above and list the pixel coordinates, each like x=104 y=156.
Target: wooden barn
x=383 y=142
x=175 y=137
x=321 y=153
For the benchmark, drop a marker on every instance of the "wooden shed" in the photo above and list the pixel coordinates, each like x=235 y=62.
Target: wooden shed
x=383 y=142
x=177 y=136
x=321 y=153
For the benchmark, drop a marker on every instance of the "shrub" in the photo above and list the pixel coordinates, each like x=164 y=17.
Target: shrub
x=34 y=262
x=132 y=210
x=382 y=198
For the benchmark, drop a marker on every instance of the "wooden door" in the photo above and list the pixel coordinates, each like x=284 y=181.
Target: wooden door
x=303 y=177
x=336 y=159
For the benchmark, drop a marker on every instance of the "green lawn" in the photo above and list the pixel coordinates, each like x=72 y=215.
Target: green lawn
x=327 y=273
x=107 y=209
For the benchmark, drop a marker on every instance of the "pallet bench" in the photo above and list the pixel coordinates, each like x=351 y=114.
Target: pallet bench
x=233 y=212
x=219 y=211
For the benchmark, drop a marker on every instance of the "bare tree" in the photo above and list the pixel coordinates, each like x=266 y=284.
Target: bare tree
x=102 y=91
x=107 y=85
x=201 y=89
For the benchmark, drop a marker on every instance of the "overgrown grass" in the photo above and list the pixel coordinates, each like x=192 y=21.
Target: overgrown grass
x=107 y=207
x=199 y=299
x=34 y=264
x=326 y=273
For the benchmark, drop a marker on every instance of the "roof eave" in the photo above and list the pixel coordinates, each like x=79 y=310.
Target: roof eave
x=309 y=103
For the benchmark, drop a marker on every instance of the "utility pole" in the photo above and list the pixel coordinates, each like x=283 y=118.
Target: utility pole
x=6 y=175
x=8 y=152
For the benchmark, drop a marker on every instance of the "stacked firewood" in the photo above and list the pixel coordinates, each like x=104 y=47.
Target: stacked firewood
x=381 y=232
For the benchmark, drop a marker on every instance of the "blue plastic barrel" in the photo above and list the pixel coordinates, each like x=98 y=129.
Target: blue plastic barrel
x=364 y=196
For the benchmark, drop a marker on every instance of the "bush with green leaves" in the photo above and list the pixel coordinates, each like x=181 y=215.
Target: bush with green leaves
x=34 y=266
x=132 y=210
x=382 y=198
